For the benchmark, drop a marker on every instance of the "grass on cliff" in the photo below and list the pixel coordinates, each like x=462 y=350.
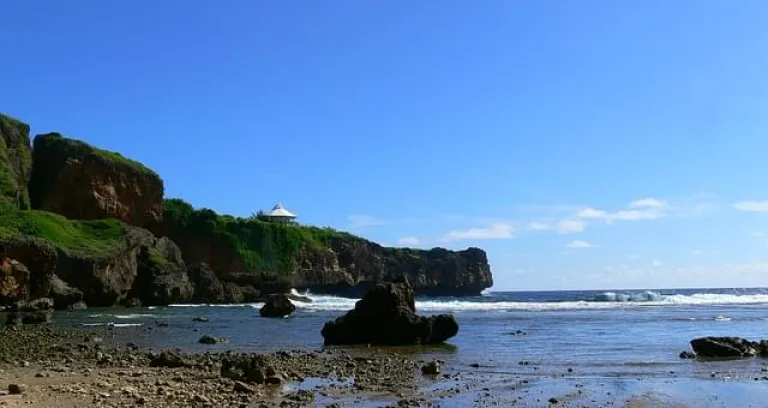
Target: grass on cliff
x=10 y=191
x=92 y=239
x=263 y=245
x=57 y=142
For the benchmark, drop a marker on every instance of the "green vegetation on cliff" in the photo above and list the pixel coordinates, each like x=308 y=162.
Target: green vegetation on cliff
x=92 y=239
x=15 y=162
x=262 y=245
x=57 y=142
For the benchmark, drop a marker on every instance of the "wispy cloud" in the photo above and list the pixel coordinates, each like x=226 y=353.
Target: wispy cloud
x=656 y=263
x=494 y=231
x=643 y=209
x=409 y=241
x=365 y=221
x=752 y=206
x=577 y=244
x=566 y=226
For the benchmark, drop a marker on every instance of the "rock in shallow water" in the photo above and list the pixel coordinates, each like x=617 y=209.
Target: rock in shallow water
x=34 y=312
x=386 y=315
x=728 y=347
x=277 y=306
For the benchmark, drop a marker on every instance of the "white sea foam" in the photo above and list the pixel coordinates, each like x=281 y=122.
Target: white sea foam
x=608 y=300
x=134 y=316
x=112 y=324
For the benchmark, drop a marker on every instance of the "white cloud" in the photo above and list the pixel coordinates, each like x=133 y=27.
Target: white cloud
x=579 y=244
x=495 y=231
x=648 y=203
x=752 y=206
x=656 y=263
x=570 y=226
x=409 y=241
x=364 y=221
x=539 y=226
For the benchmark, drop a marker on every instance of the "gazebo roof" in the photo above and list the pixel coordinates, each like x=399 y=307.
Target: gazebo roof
x=279 y=211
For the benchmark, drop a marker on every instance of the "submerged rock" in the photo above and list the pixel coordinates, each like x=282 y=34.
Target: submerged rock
x=277 y=306
x=386 y=316
x=209 y=339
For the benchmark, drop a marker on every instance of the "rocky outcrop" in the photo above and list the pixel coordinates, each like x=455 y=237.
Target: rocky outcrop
x=64 y=296
x=386 y=315
x=728 y=347
x=81 y=182
x=14 y=281
x=15 y=162
x=207 y=288
x=30 y=312
x=28 y=265
x=161 y=277
x=277 y=306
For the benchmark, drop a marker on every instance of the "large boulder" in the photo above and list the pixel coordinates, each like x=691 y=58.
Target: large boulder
x=277 y=306
x=727 y=347
x=207 y=287
x=161 y=277
x=386 y=315
x=63 y=295
x=15 y=162
x=74 y=179
x=30 y=312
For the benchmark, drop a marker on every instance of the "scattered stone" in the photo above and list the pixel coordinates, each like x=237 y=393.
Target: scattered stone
x=242 y=387
x=431 y=368
x=15 y=389
x=553 y=401
x=169 y=359
x=687 y=355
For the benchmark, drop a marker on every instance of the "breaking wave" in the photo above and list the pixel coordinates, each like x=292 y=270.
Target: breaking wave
x=500 y=301
x=608 y=300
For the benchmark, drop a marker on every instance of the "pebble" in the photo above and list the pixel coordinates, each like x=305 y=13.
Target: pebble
x=15 y=389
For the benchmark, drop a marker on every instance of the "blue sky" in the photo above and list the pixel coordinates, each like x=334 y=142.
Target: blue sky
x=594 y=144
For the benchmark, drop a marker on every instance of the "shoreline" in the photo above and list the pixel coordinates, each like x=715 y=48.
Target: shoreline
x=95 y=367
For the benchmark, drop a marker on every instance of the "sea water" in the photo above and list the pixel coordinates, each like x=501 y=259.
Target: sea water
x=599 y=336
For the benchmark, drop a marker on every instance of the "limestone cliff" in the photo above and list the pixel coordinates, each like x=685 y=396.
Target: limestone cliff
x=15 y=162
x=81 y=182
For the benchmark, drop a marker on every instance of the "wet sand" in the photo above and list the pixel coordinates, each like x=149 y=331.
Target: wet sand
x=59 y=367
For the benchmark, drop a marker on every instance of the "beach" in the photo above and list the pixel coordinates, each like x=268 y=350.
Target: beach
x=509 y=352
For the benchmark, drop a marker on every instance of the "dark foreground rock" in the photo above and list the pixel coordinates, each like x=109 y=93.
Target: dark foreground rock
x=728 y=347
x=64 y=296
x=277 y=306
x=386 y=315
x=34 y=312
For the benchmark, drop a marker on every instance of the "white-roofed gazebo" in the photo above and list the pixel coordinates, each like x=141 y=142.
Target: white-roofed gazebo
x=279 y=213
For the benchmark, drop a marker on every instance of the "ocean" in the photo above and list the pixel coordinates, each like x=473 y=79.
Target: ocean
x=615 y=344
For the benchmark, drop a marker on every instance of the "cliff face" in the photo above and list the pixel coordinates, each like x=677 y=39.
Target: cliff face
x=15 y=162
x=78 y=181
x=274 y=257
x=106 y=260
